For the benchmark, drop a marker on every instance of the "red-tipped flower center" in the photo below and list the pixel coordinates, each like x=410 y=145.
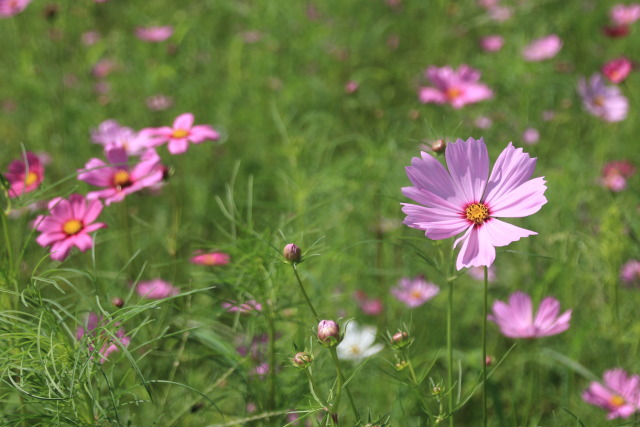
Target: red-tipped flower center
x=31 y=178
x=477 y=213
x=71 y=227
x=121 y=179
x=180 y=133
x=453 y=93
x=617 y=401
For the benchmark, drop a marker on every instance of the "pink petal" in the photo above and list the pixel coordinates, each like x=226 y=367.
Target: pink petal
x=512 y=168
x=439 y=224
x=178 y=146
x=93 y=210
x=499 y=233
x=428 y=174
x=475 y=251
x=96 y=172
x=202 y=133
x=468 y=164
x=429 y=94
x=60 y=250
x=46 y=239
x=521 y=201
x=183 y=121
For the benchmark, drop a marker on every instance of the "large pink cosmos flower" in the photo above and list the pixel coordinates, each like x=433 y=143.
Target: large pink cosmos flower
x=9 y=8
x=118 y=177
x=619 y=394
x=542 y=48
x=156 y=289
x=414 y=292
x=467 y=200
x=605 y=102
x=183 y=132
x=154 y=34
x=516 y=320
x=108 y=344
x=458 y=88
x=25 y=176
x=68 y=225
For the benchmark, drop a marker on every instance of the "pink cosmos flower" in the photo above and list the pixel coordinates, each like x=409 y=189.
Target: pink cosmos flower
x=630 y=273
x=622 y=15
x=516 y=320
x=24 y=176
x=10 y=8
x=617 y=70
x=530 y=136
x=212 y=258
x=111 y=134
x=154 y=34
x=458 y=88
x=414 y=292
x=619 y=394
x=118 y=178
x=159 y=102
x=605 y=102
x=108 y=344
x=351 y=86
x=369 y=306
x=465 y=199
x=615 y=174
x=492 y=43
x=183 y=132
x=542 y=48
x=68 y=224
x=156 y=289
x=245 y=307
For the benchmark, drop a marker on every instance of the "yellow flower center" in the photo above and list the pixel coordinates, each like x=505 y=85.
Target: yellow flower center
x=617 y=401
x=416 y=294
x=31 y=178
x=477 y=212
x=121 y=179
x=71 y=227
x=355 y=349
x=179 y=133
x=453 y=93
x=598 y=101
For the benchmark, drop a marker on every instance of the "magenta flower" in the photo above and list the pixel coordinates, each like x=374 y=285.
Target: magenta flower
x=516 y=320
x=492 y=43
x=630 y=273
x=458 y=88
x=118 y=178
x=369 y=306
x=183 y=132
x=245 y=307
x=622 y=15
x=615 y=174
x=542 y=48
x=68 y=224
x=414 y=292
x=156 y=289
x=605 y=102
x=24 y=176
x=467 y=200
x=154 y=34
x=617 y=70
x=212 y=258
x=619 y=394
x=108 y=345
x=10 y=8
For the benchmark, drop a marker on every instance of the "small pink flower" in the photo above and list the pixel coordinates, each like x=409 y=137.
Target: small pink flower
x=68 y=224
x=111 y=135
x=619 y=394
x=456 y=87
x=212 y=258
x=617 y=70
x=605 y=102
x=89 y=38
x=630 y=273
x=477 y=273
x=500 y=13
x=351 y=86
x=103 y=68
x=156 y=289
x=118 y=178
x=24 y=176
x=369 y=306
x=615 y=174
x=530 y=136
x=516 y=320
x=10 y=8
x=622 y=15
x=245 y=307
x=483 y=122
x=262 y=370
x=542 y=48
x=154 y=34
x=492 y=43
x=183 y=132
x=414 y=292
x=159 y=102
x=108 y=344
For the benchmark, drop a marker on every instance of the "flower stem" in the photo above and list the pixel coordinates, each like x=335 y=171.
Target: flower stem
x=450 y=352
x=306 y=297
x=339 y=386
x=484 y=347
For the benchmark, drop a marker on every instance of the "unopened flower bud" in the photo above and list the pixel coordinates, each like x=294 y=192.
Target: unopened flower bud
x=488 y=361
x=400 y=340
x=302 y=359
x=292 y=253
x=436 y=390
x=328 y=333
x=438 y=146
x=401 y=365
x=118 y=302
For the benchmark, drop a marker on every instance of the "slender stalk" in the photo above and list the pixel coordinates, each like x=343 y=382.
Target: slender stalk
x=272 y=362
x=484 y=347
x=450 y=352
x=339 y=386
x=306 y=297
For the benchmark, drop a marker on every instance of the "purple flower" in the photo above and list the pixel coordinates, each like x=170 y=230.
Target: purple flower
x=465 y=199
x=606 y=102
x=108 y=345
x=492 y=43
x=542 y=48
x=516 y=320
x=414 y=292
x=156 y=289
x=530 y=136
x=619 y=394
x=630 y=273
x=622 y=15
x=458 y=88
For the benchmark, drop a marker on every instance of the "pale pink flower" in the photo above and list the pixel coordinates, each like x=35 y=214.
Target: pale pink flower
x=211 y=258
x=108 y=344
x=500 y=13
x=619 y=393
x=68 y=224
x=456 y=87
x=630 y=273
x=617 y=70
x=159 y=102
x=118 y=178
x=183 y=132
x=154 y=34
x=10 y=8
x=531 y=136
x=483 y=122
x=103 y=68
x=414 y=292
x=542 y=48
x=516 y=319
x=369 y=306
x=615 y=174
x=111 y=135
x=492 y=43
x=605 y=102
x=477 y=273
x=245 y=307
x=89 y=38
x=156 y=289
x=465 y=199
x=351 y=86
x=622 y=15
x=24 y=175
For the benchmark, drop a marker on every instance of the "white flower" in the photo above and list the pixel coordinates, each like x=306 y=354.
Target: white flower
x=358 y=343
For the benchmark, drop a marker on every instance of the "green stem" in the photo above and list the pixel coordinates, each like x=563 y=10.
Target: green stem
x=340 y=383
x=306 y=297
x=272 y=362
x=450 y=352
x=484 y=347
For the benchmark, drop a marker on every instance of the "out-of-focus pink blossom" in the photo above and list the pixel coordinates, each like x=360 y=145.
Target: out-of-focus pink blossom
x=456 y=87
x=414 y=292
x=500 y=13
x=548 y=115
x=488 y=4
x=154 y=34
x=251 y=37
x=531 y=136
x=24 y=175
x=615 y=174
x=351 y=86
x=181 y=133
x=630 y=273
x=617 y=70
x=492 y=43
x=619 y=394
x=108 y=344
x=477 y=273
x=542 y=48
x=211 y=258
x=10 y=8
x=622 y=14
x=483 y=122
x=156 y=289
x=103 y=68
x=369 y=306
x=245 y=307
x=89 y=38
x=605 y=102
x=159 y=102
